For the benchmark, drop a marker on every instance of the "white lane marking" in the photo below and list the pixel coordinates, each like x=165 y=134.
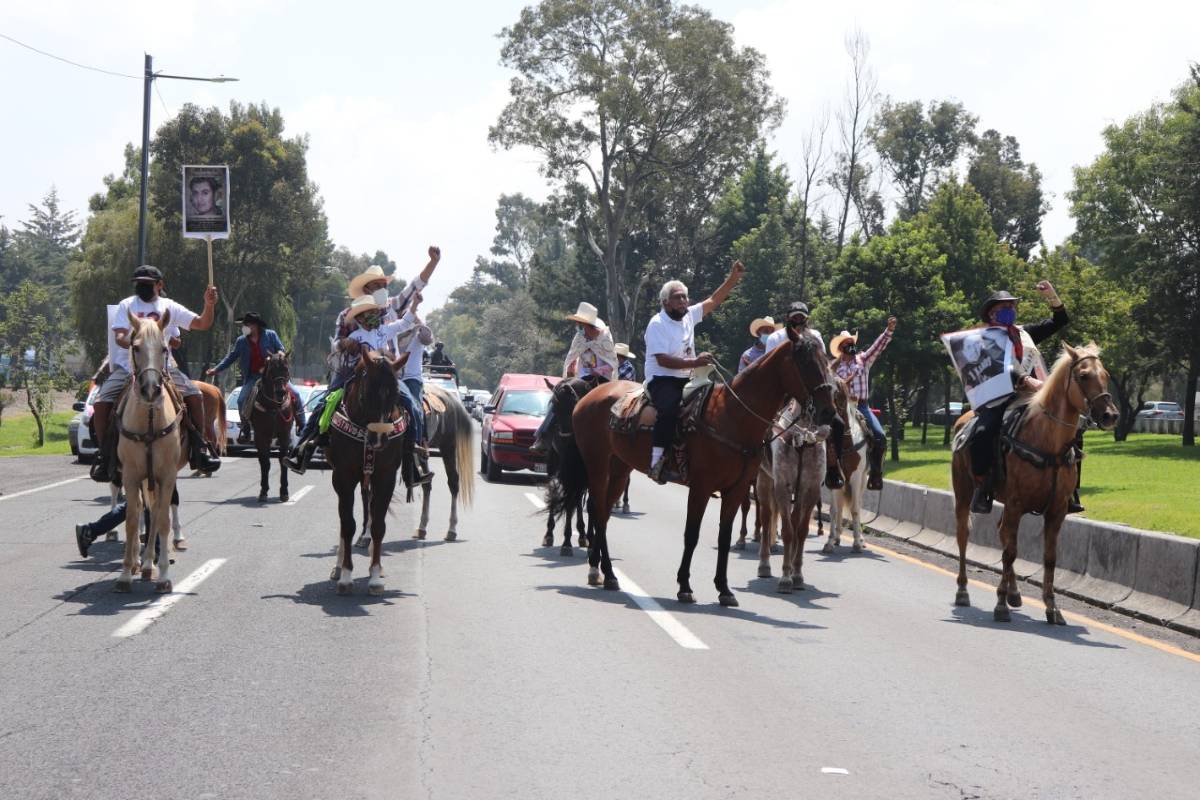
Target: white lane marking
x=296 y=497
x=834 y=771
x=160 y=606
x=41 y=488
x=673 y=627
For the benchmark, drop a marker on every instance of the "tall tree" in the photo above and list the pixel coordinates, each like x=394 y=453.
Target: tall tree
x=42 y=245
x=813 y=154
x=918 y=146
x=1011 y=190
x=626 y=94
x=851 y=173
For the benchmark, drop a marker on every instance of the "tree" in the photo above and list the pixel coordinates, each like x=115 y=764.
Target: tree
x=33 y=335
x=851 y=173
x=918 y=147
x=1011 y=190
x=813 y=155
x=1137 y=207
x=41 y=247
x=630 y=95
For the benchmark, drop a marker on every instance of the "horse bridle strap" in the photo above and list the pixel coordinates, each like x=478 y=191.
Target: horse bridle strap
x=150 y=436
x=351 y=429
x=769 y=422
x=1087 y=401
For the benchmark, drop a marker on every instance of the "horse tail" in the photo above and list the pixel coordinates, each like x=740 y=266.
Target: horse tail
x=464 y=447
x=572 y=475
x=222 y=434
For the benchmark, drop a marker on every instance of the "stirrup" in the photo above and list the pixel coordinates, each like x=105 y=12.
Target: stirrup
x=833 y=478
x=656 y=472
x=981 y=500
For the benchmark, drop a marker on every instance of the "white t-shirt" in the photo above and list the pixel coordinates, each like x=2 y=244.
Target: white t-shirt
x=381 y=338
x=181 y=318
x=780 y=336
x=669 y=337
x=412 y=367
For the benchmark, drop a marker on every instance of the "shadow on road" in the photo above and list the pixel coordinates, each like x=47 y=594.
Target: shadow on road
x=1027 y=624
x=801 y=598
x=549 y=556
x=323 y=593
x=97 y=598
x=389 y=546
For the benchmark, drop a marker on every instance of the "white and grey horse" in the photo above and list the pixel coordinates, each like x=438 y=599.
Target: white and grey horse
x=850 y=496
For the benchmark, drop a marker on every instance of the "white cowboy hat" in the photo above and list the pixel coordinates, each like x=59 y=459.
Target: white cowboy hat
x=761 y=321
x=622 y=349
x=587 y=314
x=360 y=304
x=835 y=344
x=373 y=273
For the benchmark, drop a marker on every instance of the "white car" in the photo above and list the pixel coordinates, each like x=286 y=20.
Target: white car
x=233 y=419
x=1160 y=409
x=79 y=432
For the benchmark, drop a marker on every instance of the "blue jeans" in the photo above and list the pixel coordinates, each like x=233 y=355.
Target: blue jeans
x=872 y=423
x=413 y=406
x=244 y=397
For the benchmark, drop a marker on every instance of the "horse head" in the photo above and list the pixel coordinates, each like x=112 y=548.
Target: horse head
x=376 y=396
x=1091 y=377
x=807 y=375
x=148 y=354
x=277 y=372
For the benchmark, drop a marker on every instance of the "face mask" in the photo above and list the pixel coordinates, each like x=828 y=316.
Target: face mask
x=676 y=314
x=762 y=338
x=369 y=320
x=144 y=291
x=849 y=349
x=380 y=296
x=246 y=330
x=1006 y=316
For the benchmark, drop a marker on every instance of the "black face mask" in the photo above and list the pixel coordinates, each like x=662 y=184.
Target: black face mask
x=849 y=349
x=144 y=291
x=676 y=314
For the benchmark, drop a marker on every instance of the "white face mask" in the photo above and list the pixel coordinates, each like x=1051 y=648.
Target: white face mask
x=246 y=330
x=762 y=337
x=380 y=296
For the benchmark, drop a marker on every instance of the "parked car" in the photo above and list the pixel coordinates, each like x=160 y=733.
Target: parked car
x=938 y=417
x=481 y=397
x=233 y=419
x=510 y=420
x=79 y=430
x=1160 y=409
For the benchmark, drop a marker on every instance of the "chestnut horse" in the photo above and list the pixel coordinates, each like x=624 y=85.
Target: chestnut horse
x=723 y=452
x=214 y=416
x=1077 y=385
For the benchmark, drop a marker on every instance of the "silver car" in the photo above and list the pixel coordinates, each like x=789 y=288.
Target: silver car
x=79 y=432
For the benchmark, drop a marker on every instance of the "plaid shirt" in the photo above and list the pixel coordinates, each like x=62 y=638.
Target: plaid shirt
x=856 y=373
x=343 y=363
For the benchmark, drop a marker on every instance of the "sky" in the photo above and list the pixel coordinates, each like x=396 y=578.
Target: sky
x=396 y=98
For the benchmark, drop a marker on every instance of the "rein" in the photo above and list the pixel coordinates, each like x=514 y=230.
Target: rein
x=149 y=436
x=727 y=382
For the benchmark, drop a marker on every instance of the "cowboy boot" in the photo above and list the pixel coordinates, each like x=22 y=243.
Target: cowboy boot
x=875 y=478
x=297 y=460
x=981 y=500
x=657 y=471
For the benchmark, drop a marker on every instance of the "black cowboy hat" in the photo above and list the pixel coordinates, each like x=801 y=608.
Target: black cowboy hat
x=994 y=298
x=251 y=316
x=797 y=308
x=147 y=272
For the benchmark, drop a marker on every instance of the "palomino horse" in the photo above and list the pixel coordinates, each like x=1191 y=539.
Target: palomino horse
x=1077 y=385
x=150 y=450
x=365 y=449
x=797 y=467
x=272 y=415
x=850 y=496
x=724 y=451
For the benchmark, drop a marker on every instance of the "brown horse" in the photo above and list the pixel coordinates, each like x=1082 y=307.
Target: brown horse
x=272 y=415
x=214 y=416
x=724 y=451
x=1078 y=385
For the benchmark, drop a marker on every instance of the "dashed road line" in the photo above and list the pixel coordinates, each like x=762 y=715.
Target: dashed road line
x=41 y=488
x=538 y=503
x=303 y=490
x=143 y=618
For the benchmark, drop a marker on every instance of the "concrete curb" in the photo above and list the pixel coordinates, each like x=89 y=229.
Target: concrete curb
x=1164 y=583
x=1111 y=566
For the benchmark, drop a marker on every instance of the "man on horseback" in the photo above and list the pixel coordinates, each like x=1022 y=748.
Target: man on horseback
x=251 y=350
x=671 y=357
x=591 y=356
x=147 y=301
x=626 y=371
x=1000 y=311
x=761 y=329
x=372 y=282
x=854 y=368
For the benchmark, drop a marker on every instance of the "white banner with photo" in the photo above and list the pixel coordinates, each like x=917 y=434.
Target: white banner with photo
x=983 y=358
x=205 y=202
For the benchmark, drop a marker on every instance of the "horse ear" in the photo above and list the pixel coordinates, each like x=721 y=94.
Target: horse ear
x=1071 y=351
x=363 y=361
x=134 y=322
x=166 y=320
x=549 y=385
x=793 y=334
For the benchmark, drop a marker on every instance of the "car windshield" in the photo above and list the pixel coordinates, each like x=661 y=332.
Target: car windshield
x=231 y=398
x=315 y=398
x=532 y=402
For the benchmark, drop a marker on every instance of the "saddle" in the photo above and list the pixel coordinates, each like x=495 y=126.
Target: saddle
x=109 y=445
x=1013 y=417
x=632 y=412
x=432 y=401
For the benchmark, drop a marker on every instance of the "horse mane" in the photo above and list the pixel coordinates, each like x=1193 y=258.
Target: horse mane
x=1056 y=382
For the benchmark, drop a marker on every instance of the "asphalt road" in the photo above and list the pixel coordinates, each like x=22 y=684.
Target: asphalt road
x=490 y=669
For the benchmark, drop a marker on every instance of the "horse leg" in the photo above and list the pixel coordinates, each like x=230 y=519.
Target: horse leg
x=800 y=522
x=1050 y=535
x=450 y=464
x=364 y=538
x=783 y=509
x=161 y=535
x=963 y=488
x=697 y=503
x=568 y=514
x=580 y=528
x=115 y=491
x=766 y=506
x=730 y=503
x=835 y=522
x=345 y=568
x=176 y=531
x=423 y=525
x=283 y=470
x=625 y=498
x=133 y=511
x=1006 y=591
x=548 y=539
x=381 y=497
x=264 y=466
x=856 y=499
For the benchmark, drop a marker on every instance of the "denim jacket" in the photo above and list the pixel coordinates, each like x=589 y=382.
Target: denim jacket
x=269 y=342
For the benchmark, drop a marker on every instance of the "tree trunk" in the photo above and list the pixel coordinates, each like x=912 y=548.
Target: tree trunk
x=891 y=402
x=946 y=405
x=36 y=416
x=924 y=414
x=1189 y=402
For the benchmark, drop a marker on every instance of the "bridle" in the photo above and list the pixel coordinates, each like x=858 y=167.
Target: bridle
x=276 y=397
x=1088 y=402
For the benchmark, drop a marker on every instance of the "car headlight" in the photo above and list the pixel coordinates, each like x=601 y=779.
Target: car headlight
x=502 y=436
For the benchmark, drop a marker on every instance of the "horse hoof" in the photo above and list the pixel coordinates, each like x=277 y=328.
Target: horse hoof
x=594 y=579
x=363 y=542
x=784 y=586
x=625 y=508
x=262 y=498
x=776 y=548
x=111 y=536
x=375 y=590
x=122 y=587
x=283 y=497
x=1055 y=617
x=828 y=548
x=583 y=542
x=612 y=584
x=163 y=587
x=686 y=597
x=962 y=598
x=345 y=588
x=764 y=570
x=728 y=600
x=419 y=535
x=857 y=547
x=451 y=536
x=566 y=550
x=740 y=544
x=1014 y=600
x=548 y=540
x=334 y=574
x=1001 y=614
x=180 y=544
x=146 y=572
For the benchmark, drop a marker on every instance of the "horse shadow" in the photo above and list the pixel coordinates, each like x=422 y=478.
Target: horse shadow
x=844 y=553
x=104 y=602
x=551 y=559
x=389 y=546
x=808 y=598
x=323 y=593
x=1027 y=624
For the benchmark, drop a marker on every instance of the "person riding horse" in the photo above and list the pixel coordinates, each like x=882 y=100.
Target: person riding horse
x=854 y=368
x=251 y=350
x=591 y=356
x=671 y=357
x=371 y=282
x=626 y=370
x=147 y=301
x=999 y=310
x=761 y=329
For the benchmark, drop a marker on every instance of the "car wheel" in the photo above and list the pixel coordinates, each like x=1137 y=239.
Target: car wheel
x=492 y=471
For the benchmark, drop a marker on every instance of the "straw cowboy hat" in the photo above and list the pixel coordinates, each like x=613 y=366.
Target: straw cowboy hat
x=760 y=322
x=587 y=314
x=622 y=349
x=360 y=304
x=373 y=273
x=835 y=344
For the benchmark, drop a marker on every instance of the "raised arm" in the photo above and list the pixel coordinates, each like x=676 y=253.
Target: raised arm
x=205 y=320
x=716 y=298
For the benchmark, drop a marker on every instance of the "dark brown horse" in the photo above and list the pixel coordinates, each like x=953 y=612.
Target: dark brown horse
x=366 y=445
x=272 y=415
x=724 y=452
x=1078 y=385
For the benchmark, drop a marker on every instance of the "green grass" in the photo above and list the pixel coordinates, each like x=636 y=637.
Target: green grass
x=18 y=435
x=1148 y=481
